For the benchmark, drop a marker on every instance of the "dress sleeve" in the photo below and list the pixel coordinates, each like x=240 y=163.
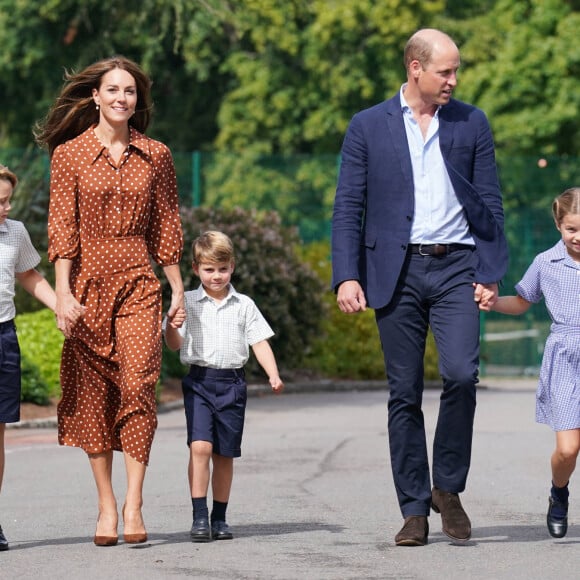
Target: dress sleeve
x=63 y=218
x=165 y=236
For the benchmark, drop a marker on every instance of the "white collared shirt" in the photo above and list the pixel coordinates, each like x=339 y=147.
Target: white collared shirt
x=219 y=335
x=17 y=254
x=439 y=217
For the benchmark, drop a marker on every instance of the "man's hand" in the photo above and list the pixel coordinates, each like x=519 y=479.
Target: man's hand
x=486 y=295
x=350 y=297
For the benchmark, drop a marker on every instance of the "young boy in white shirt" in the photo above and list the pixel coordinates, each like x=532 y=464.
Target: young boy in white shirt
x=18 y=261
x=220 y=326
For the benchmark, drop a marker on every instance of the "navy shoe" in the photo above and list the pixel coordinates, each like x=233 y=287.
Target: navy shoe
x=200 y=530
x=221 y=531
x=557 y=524
x=3 y=541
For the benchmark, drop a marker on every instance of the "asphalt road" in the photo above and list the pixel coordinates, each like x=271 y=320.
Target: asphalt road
x=312 y=499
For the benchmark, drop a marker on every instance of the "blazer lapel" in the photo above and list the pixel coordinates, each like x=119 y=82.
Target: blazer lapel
x=446 y=129
x=398 y=134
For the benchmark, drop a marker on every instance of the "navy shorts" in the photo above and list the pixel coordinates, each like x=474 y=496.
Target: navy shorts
x=10 y=385
x=215 y=408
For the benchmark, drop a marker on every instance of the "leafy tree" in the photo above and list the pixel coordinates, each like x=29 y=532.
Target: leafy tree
x=522 y=66
x=42 y=39
x=303 y=68
x=300 y=188
x=261 y=77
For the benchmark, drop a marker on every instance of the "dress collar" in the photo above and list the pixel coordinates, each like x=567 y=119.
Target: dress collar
x=137 y=141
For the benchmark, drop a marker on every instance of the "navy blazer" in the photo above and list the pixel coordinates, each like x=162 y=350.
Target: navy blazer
x=374 y=204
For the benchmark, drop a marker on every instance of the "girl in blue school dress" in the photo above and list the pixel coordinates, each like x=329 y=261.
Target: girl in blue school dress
x=555 y=275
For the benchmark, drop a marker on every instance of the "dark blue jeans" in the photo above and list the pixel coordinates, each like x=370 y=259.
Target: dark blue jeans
x=434 y=292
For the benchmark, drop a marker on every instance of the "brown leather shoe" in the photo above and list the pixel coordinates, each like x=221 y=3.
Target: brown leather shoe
x=414 y=532
x=454 y=520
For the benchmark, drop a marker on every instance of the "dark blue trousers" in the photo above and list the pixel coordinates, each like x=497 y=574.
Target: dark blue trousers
x=436 y=292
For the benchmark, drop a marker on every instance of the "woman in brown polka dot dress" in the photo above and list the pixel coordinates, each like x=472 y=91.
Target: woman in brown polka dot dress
x=113 y=206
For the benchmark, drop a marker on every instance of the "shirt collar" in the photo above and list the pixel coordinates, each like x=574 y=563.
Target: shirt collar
x=201 y=294
x=559 y=253
x=4 y=226
x=405 y=106
x=136 y=141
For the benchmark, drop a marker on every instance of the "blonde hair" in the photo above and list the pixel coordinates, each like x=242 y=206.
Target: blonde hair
x=213 y=247
x=74 y=110
x=565 y=204
x=8 y=175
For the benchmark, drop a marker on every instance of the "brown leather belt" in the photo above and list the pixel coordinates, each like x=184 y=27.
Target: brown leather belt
x=437 y=249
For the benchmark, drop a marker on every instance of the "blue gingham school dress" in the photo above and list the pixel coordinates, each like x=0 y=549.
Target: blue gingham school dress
x=555 y=276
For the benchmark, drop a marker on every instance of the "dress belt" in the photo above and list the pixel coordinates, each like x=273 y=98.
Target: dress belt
x=437 y=249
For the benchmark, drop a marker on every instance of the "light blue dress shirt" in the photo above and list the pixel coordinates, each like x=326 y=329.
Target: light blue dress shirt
x=439 y=217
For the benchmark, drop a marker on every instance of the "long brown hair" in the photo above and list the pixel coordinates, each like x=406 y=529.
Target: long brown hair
x=565 y=204
x=74 y=110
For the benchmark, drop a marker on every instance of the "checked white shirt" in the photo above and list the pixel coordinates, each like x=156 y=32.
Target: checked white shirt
x=219 y=336
x=17 y=255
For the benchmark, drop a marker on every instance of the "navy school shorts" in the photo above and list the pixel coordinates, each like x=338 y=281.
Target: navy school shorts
x=215 y=408
x=10 y=385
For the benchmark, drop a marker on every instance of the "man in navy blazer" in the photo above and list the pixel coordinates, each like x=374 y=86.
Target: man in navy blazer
x=417 y=235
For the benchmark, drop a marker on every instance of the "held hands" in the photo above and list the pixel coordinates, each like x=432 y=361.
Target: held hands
x=176 y=312
x=177 y=318
x=68 y=312
x=277 y=384
x=486 y=295
x=350 y=297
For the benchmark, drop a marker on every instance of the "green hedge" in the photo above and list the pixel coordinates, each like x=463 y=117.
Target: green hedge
x=40 y=347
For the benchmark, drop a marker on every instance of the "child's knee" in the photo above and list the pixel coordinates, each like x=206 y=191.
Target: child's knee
x=567 y=452
x=201 y=449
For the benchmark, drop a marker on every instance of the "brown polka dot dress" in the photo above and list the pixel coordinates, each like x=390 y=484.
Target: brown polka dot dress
x=109 y=219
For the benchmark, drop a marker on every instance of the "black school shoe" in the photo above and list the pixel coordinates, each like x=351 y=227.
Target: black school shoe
x=200 y=530
x=221 y=531
x=3 y=541
x=557 y=526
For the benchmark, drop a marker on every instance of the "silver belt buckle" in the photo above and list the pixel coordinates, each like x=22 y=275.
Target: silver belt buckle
x=421 y=251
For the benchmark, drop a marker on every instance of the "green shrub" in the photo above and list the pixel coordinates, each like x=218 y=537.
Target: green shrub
x=40 y=345
x=269 y=270
x=348 y=346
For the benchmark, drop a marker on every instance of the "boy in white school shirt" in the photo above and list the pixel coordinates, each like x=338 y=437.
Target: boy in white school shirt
x=18 y=261
x=220 y=326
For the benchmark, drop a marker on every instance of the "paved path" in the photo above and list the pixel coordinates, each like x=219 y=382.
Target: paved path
x=312 y=499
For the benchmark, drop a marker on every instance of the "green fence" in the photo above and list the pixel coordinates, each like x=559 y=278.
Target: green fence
x=301 y=189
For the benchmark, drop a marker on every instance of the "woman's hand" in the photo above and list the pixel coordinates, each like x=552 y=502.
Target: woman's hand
x=176 y=312
x=68 y=312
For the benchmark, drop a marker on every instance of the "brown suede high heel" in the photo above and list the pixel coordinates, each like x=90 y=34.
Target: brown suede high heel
x=105 y=540
x=139 y=538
